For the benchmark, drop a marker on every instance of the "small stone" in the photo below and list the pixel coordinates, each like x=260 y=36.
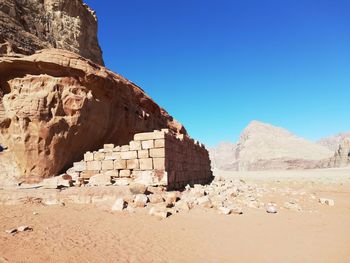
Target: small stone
x=171 y=198
x=140 y=200
x=23 y=228
x=204 y=201
x=35 y=213
x=326 y=201
x=122 y=181
x=136 y=188
x=271 y=208
x=155 y=199
x=11 y=231
x=224 y=210
x=119 y=205
x=158 y=212
x=182 y=205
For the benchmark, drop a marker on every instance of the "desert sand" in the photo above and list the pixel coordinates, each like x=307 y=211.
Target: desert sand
x=88 y=233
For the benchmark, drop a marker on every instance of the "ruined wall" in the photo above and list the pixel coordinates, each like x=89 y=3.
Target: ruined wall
x=152 y=158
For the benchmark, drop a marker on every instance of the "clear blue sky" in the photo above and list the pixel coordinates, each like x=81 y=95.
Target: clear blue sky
x=217 y=65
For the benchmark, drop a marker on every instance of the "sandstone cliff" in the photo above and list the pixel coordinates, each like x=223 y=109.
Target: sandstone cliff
x=56 y=105
x=333 y=142
x=341 y=157
x=30 y=25
x=265 y=147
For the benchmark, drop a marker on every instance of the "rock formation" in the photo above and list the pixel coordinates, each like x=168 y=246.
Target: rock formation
x=342 y=155
x=30 y=25
x=56 y=105
x=265 y=147
x=333 y=142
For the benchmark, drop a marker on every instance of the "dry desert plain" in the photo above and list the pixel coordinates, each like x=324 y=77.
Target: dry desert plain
x=318 y=233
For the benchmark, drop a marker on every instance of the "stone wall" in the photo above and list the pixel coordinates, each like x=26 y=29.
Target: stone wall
x=151 y=158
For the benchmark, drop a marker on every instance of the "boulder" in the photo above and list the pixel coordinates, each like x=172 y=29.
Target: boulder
x=140 y=200
x=136 y=188
x=159 y=212
x=57 y=105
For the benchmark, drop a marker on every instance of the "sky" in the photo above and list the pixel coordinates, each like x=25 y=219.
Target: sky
x=217 y=65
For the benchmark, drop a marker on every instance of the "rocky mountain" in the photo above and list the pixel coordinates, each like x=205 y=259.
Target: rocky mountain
x=30 y=25
x=265 y=147
x=333 y=142
x=341 y=157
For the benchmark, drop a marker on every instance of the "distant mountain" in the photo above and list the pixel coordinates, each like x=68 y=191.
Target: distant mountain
x=333 y=142
x=265 y=147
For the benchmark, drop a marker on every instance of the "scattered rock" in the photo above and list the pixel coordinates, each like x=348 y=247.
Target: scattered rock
x=158 y=212
x=326 y=201
x=271 y=208
x=155 y=199
x=24 y=228
x=11 y=231
x=119 y=205
x=224 y=210
x=291 y=205
x=122 y=182
x=140 y=200
x=136 y=188
x=204 y=201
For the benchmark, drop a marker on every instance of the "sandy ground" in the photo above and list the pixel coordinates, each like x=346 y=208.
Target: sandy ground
x=86 y=233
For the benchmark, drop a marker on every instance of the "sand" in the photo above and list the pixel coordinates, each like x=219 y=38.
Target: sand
x=87 y=233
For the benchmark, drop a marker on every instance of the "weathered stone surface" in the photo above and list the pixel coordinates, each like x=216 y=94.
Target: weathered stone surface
x=30 y=25
x=159 y=212
x=155 y=198
x=140 y=200
x=55 y=100
x=119 y=205
x=136 y=188
x=327 y=201
x=146 y=164
x=271 y=208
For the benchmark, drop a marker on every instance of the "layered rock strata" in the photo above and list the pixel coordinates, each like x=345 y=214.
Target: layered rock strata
x=30 y=25
x=152 y=158
x=56 y=105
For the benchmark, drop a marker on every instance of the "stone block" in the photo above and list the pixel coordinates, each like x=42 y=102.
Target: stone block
x=99 y=156
x=100 y=180
x=124 y=173
x=89 y=156
x=132 y=164
x=107 y=165
x=149 y=136
x=157 y=152
x=125 y=148
x=146 y=164
x=147 y=144
x=109 y=146
x=159 y=163
x=79 y=166
x=88 y=174
x=119 y=164
x=117 y=149
x=159 y=143
x=94 y=165
x=142 y=154
x=135 y=145
x=129 y=155
x=113 y=156
x=112 y=173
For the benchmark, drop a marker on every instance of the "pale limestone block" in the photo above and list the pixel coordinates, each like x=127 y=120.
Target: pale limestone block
x=135 y=145
x=159 y=143
x=147 y=144
x=99 y=156
x=159 y=163
x=119 y=164
x=157 y=152
x=94 y=165
x=79 y=166
x=88 y=156
x=142 y=154
x=132 y=164
x=146 y=164
x=107 y=165
x=129 y=155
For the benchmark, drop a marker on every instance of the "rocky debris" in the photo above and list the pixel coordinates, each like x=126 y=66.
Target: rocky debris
x=18 y=229
x=119 y=205
x=292 y=205
x=57 y=182
x=326 y=201
x=265 y=147
x=69 y=93
x=140 y=200
x=36 y=24
x=159 y=212
x=136 y=188
x=271 y=208
x=155 y=198
x=224 y=210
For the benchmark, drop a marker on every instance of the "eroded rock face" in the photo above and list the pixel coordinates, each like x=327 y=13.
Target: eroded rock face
x=57 y=105
x=266 y=147
x=30 y=25
x=342 y=155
